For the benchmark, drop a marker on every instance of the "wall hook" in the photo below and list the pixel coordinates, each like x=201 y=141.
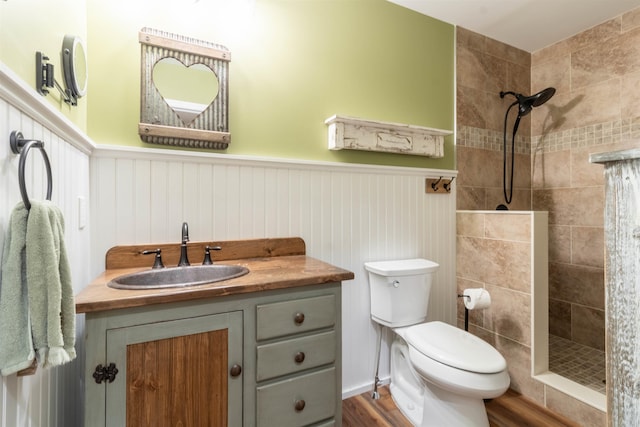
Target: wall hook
x=447 y=185
x=434 y=185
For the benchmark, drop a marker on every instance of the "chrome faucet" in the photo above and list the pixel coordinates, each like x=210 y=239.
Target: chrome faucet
x=184 y=260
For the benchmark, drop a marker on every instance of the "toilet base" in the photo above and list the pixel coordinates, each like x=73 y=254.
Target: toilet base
x=411 y=409
x=443 y=408
x=440 y=408
x=425 y=404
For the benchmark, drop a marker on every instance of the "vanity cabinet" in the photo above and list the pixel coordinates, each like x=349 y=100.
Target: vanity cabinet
x=269 y=358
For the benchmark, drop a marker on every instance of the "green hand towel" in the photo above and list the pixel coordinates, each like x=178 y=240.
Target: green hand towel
x=16 y=348
x=51 y=300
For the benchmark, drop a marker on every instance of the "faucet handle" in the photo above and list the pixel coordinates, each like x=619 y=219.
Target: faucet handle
x=157 y=263
x=207 y=254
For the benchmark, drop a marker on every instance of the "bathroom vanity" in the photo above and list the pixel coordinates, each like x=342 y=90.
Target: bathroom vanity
x=263 y=349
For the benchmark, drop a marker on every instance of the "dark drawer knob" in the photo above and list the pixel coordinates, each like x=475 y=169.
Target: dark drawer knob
x=299 y=357
x=300 y=404
x=235 y=370
x=298 y=318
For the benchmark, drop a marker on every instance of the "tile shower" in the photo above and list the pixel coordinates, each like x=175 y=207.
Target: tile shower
x=596 y=109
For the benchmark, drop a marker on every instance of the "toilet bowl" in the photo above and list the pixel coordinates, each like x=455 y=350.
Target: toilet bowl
x=440 y=374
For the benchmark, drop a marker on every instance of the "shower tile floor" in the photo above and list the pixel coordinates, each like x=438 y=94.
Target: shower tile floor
x=576 y=362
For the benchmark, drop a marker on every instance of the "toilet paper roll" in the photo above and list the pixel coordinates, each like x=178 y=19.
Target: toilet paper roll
x=476 y=298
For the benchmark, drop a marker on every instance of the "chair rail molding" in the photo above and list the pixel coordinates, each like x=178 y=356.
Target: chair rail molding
x=27 y=100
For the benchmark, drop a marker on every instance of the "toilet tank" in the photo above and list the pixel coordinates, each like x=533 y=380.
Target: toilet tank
x=400 y=290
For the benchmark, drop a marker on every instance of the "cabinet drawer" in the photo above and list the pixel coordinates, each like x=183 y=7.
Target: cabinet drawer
x=313 y=394
x=291 y=317
x=295 y=355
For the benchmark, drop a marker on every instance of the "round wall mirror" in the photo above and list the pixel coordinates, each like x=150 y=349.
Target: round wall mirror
x=74 y=66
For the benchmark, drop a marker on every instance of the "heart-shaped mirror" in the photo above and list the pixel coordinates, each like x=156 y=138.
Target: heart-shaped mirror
x=188 y=90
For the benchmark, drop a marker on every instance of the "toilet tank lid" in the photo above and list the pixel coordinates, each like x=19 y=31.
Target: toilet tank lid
x=403 y=267
x=455 y=347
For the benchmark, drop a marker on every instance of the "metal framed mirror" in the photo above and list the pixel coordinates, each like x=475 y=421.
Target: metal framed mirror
x=184 y=91
x=74 y=67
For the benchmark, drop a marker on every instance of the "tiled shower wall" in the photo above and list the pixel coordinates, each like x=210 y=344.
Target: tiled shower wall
x=494 y=252
x=596 y=108
x=484 y=68
x=505 y=254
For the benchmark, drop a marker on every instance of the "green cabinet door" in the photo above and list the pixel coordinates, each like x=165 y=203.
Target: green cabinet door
x=179 y=372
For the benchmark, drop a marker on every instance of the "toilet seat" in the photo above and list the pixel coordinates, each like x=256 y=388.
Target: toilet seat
x=454 y=347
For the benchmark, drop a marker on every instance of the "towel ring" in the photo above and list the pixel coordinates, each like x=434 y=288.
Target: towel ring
x=20 y=145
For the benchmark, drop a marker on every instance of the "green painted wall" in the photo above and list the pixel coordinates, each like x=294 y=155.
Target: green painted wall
x=294 y=64
x=27 y=26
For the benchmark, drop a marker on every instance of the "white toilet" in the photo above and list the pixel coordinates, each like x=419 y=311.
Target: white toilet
x=440 y=374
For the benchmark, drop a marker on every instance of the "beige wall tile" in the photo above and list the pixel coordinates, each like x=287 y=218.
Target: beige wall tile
x=584 y=173
x=495 y=262
x=631 y=20
x=583 y=414
x=605 y=31
x=470 y=198
x=560 y=318
x=508 y=227
x=518 y=78
x=470 y=224
x=550 y=53
x=597 y=103
x=471 y=107
x=507 y=52
x=471 y=68
x=509 y=314
x=602 y=60
x=553 y=73
x=552 y=116
x=479 y=168
x=518 y=358
x=629 y=99
x=588 y=326
x=552 y=169
x=587 y=246
x=560 y=243
x=521 y=171
x=470 y=39
x=577 y=285
x=572 y=206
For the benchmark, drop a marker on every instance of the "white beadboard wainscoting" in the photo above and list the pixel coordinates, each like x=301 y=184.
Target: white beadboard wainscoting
x=347 y=214
x=50 y=397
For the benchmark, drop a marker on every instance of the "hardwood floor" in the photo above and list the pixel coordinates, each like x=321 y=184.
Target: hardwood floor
x=509 y=410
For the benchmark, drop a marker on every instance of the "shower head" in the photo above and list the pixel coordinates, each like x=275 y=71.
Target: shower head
x=526 y=103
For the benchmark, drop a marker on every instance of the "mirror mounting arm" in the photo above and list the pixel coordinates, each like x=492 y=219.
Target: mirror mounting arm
x=45 y=79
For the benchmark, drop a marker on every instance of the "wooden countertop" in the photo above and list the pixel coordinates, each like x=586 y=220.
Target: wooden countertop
x=265 y=273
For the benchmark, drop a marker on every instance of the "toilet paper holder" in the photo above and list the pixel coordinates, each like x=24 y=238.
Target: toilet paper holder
x=466 y=313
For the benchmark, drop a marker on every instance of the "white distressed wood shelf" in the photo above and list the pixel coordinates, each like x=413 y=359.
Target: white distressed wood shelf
x=352 y=133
